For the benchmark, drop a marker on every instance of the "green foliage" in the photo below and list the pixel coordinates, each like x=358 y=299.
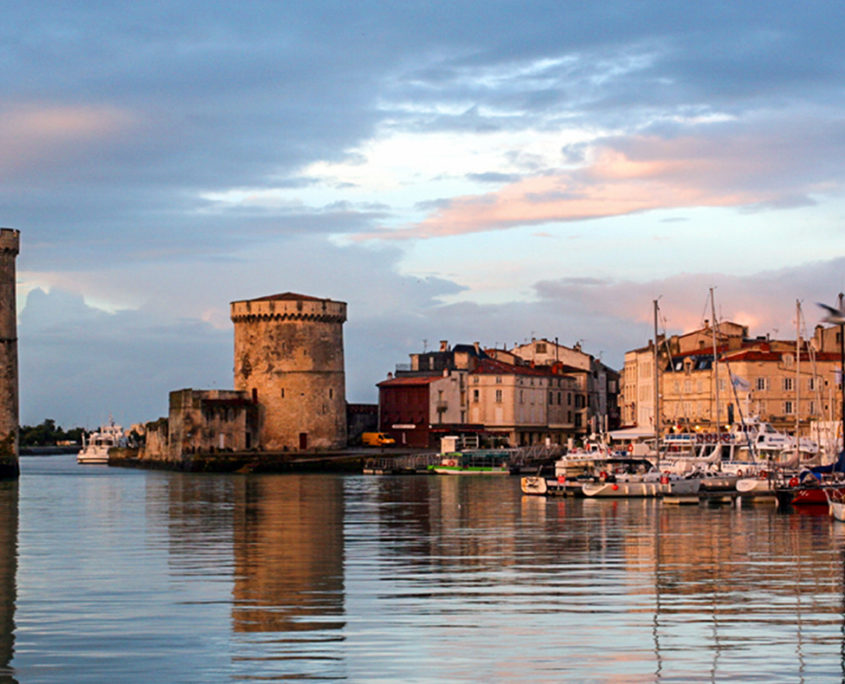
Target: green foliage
x=48 y=434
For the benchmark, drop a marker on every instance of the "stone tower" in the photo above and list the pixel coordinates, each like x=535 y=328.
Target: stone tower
x=9 y=246
x=289 y=359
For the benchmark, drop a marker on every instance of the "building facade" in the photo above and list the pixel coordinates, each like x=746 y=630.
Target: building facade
x=786 y=383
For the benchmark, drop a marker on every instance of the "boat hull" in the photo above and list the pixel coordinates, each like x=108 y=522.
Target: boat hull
x=641 y=489
x=837 y=510
x=458 y=470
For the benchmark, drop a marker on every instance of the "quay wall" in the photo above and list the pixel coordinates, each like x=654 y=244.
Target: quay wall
x=244 y=462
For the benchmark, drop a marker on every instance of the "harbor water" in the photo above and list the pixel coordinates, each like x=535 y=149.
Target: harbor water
x=112 y=574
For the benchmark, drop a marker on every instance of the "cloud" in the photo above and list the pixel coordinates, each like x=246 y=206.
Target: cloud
x=712 y=166
x=33 y=135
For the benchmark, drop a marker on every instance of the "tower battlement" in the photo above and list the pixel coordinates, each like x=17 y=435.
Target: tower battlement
x=288 y=307
x=10 y=240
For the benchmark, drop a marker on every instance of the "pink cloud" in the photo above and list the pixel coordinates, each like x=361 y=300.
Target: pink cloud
x=31 y=134
x=631 y=175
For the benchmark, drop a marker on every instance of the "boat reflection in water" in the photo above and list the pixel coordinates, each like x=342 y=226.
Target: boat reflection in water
x=402 y=578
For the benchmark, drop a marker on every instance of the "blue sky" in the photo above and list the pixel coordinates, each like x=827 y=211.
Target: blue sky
x=463 y=171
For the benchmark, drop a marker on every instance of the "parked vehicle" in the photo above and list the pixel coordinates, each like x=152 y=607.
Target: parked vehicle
x=376 y=439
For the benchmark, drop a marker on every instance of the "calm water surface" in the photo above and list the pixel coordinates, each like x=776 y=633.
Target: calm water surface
x=121 y=575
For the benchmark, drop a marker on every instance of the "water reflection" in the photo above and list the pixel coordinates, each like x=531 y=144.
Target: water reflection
x=288 y=554
x=8 y=572
x=220 y=578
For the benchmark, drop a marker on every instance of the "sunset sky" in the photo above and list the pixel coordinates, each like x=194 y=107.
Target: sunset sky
x=464 y=171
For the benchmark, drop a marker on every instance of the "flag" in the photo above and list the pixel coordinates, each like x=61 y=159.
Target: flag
x=740 y=383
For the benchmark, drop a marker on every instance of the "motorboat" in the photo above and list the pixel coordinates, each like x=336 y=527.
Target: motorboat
x=638 y=478
x=95 y=446
x=473 y=462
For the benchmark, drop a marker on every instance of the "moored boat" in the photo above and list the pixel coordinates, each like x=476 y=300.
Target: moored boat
x=95 y=447
x=474 y=462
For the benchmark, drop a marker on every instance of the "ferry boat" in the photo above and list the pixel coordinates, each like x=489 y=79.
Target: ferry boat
x=95 y=448
x=473 y=462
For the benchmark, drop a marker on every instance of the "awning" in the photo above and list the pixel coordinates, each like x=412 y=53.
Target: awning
x=631 y=433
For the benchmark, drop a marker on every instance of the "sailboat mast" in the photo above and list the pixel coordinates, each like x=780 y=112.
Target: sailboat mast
x=656 y=393
x=797 y=373
x=715 y=364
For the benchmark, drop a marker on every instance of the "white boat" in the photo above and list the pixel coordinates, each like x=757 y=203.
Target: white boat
x=641 y=480
x=835 y=503
x=95 y=447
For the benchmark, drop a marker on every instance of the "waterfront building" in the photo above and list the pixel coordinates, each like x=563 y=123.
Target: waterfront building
x=492 y=393
x=757 y=376
x=524 y=404
x=597 y=383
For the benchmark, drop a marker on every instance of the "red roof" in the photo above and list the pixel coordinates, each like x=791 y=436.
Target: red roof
x=409 y=381
x=494 y=367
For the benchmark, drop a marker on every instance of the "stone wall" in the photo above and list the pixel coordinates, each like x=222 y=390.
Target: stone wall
x=289 y=360
x=9 y=246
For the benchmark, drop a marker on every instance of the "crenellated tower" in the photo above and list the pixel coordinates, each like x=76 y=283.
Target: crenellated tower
x=9 y=248
x=289 y=359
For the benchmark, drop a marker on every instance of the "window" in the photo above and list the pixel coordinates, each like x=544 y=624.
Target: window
x=475 y=396
x=812 y=408
x=811 y=385
x=331 y=393
x=551 y=398
x=787 y=385
x=283 y=392
x=761 y=384
x=558 y=398
x=498 y=396
x=498 y=379
x=787 y=407
x=521 y=396
x=541 y=347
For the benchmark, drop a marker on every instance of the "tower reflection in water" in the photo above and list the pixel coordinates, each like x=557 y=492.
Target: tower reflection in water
x=8 y=571
x=288 y=553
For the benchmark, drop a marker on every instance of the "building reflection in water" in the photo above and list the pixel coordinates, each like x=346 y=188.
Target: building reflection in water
x=8 y=572
x=288 y=554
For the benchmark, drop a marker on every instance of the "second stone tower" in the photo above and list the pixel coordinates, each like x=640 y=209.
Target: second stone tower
x=289 y=359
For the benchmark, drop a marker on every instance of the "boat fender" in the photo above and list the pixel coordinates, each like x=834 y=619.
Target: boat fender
x=451 y=463
x=603 y=475
x=664 y=480
x=739 y=472
x=615 y=487
x=631 y=448
x=561 y=479
x=763 y=475
x=793 y=482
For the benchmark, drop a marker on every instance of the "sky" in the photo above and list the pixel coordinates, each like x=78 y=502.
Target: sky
x=458 y=171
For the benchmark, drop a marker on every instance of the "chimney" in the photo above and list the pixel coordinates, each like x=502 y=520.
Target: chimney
x=477 y=346
x=444 y=345
x=390 y=376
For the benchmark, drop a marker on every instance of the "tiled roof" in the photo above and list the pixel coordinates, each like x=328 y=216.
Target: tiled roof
x=494 y=367
x=409 y=381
